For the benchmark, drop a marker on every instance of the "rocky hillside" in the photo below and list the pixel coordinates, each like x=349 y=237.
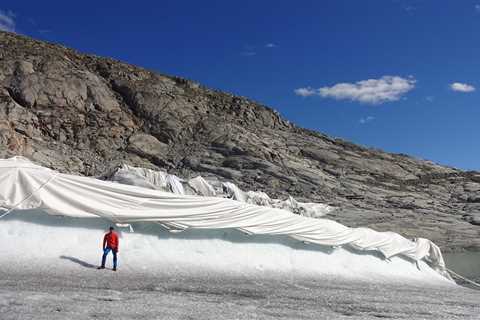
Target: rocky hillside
x=85 y=114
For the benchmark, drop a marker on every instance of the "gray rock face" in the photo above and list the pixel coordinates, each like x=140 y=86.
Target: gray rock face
x=85 y=115
x=146 y=146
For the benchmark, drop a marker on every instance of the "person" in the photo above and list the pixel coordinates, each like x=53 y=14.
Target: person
x=110 y=243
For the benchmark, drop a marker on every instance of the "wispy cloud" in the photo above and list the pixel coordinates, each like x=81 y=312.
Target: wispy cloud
x=477 y=8
x=409 y=9
x=371 y=91
x=248 y=51
x=366 y=120
x=462 y=87
x=430 y=98
x=7 y=21
x=305 y=92
x=408 y=6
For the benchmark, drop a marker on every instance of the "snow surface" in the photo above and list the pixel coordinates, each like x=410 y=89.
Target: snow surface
x=92 y=294
x=47 y=271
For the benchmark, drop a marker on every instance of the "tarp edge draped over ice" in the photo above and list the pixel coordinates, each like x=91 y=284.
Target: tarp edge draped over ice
x=25 y=185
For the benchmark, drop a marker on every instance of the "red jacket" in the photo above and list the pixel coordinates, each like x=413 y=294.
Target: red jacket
x=111 y=241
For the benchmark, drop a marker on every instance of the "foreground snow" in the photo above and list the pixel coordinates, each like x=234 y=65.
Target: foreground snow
x=85 y=293
x=47 y=271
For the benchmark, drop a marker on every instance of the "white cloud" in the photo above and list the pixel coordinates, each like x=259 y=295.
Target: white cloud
x=477 y=7
x=305 y=92
x=366 y=119
x=270 y=45
x=371 y=91
x=7 y=21
x=462 y=87
x=430 y=98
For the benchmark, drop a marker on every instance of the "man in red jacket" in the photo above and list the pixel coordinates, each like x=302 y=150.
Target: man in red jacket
x=110 y=243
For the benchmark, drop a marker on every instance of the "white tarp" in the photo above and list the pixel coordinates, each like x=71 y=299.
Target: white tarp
x=141 y=177
x=160 y=180
x=24 y=185
x=233 y=192
x=202 y=187
x=148 y=178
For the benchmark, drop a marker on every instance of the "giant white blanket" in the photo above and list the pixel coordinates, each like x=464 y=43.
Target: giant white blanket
x=25 y=185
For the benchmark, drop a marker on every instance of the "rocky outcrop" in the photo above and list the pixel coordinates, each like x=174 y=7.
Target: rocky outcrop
x=85 y=114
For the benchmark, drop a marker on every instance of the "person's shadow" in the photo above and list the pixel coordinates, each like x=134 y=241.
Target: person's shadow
x=78 y=261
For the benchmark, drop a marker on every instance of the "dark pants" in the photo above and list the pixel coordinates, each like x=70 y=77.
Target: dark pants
x=105 y=253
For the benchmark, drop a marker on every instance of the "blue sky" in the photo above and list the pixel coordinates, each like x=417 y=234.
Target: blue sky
x=398 y=75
